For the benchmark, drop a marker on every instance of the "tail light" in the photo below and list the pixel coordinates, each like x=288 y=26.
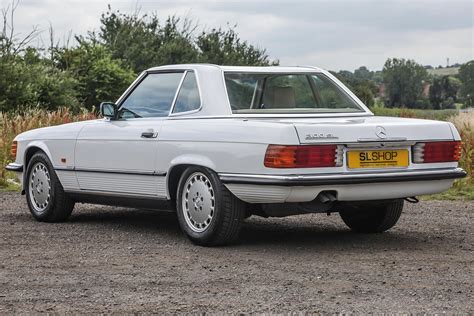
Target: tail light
x=303 y=156
x=14 y=148
x=449 y=151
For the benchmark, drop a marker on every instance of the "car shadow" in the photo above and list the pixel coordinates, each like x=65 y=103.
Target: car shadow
x=324 y=236
x=291 y=233
x=129 y=219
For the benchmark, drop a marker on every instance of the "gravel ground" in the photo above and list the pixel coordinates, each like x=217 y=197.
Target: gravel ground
x=122 y=260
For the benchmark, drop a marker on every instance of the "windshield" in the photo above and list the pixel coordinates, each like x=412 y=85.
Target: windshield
x=271 y=93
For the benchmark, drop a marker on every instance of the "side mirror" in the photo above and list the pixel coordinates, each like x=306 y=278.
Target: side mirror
x=109 y=109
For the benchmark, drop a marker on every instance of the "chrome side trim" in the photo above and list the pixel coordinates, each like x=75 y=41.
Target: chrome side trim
x=115 y=194
x=343 y=178
x=142 y=173
x=14 y=167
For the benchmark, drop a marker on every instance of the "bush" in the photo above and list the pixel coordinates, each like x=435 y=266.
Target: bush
x=24 y=83
x=101 y=78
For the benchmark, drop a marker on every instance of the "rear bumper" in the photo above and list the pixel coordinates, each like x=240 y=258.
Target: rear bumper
x=343 y=178
x=14 y=167
x=346 y=187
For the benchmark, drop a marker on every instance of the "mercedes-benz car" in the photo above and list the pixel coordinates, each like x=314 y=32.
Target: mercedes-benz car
x=218 y=144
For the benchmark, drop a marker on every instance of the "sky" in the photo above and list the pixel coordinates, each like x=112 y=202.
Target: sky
x=331 y=34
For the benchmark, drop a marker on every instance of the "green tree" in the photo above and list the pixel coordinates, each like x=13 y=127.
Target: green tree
x=28 y=80
x=130 y=38
x=345 y=76
x=436 y=95
x=364 y=89
x=403 y=81
x=226 y=48
x=466 y=75
x=443 y=92
x=363 y=73
x=451 y=86
x=141 y=42
x=100 y=76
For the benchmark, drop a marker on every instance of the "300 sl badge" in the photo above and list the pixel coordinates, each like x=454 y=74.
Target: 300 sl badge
x=317 y=136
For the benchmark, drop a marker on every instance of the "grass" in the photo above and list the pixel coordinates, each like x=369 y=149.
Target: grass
x=462 y=190
x=451 y=71
x=14 y=124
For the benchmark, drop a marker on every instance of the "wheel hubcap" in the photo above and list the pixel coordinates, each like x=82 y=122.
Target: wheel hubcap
x=40 y=187
x=198 y=202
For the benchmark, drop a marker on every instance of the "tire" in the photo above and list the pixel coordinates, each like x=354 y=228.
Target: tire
x=207 y=212
x=45 y=195
x=372 y=218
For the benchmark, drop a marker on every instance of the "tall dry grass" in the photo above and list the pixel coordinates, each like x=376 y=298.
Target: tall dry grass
x=14 y=124
x=464 y=123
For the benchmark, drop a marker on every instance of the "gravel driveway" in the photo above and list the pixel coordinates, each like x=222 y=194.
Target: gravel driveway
x=122 y=260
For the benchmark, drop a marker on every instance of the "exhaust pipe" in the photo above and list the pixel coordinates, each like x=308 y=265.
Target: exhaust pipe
x=412 y=199
x=326 y=197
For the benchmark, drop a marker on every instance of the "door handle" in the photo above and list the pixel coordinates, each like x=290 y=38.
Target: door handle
x=149 y=135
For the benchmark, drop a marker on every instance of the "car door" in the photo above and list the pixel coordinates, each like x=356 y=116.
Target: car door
x=119 y=156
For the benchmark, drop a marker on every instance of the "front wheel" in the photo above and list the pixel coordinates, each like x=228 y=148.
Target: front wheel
x=207 y=212
x=372 y=217
x=45 y=195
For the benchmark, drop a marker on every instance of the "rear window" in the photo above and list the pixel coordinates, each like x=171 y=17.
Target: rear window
x=286 y=93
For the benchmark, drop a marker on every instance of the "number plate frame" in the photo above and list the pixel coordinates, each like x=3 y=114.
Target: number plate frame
x=378 y=159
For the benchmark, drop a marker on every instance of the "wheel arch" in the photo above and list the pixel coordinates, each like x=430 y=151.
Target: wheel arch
x=30 y=150
x=177 y=167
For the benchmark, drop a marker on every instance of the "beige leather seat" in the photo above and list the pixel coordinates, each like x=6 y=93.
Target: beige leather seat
x=279 y=98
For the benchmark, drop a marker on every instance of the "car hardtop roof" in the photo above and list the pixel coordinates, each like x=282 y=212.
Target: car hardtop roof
x=249 y=69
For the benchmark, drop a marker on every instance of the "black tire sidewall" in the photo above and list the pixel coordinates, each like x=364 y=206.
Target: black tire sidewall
x=373 y=218
x=208 y=234
x=48 y=212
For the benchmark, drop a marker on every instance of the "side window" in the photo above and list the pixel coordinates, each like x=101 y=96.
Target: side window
x=152 y=97
x=188 y=96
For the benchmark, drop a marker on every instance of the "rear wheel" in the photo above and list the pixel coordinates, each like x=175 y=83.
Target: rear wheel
x=207 y=212
x=372 y=218
x=45 y=195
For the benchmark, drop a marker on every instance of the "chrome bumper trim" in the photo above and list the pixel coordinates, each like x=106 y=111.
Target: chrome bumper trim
x=343 y=178
x=14 y=167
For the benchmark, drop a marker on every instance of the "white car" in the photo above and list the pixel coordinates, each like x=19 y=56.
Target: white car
x=219 y=144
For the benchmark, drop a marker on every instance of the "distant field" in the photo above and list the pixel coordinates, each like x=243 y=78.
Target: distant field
x=441 y=115
x=444 y=71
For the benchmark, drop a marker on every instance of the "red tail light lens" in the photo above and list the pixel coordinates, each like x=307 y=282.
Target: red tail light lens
x=304 y=156
x=430 y=152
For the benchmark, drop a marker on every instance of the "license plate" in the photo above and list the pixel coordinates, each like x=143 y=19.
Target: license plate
x=377 y=158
